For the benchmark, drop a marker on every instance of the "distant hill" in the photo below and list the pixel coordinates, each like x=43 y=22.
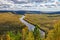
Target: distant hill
x=31 y=12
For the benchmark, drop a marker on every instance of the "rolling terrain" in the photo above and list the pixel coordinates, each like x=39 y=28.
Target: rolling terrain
x=12 y=26
x=46 y=22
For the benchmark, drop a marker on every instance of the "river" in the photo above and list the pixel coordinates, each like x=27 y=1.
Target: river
x=30 y=26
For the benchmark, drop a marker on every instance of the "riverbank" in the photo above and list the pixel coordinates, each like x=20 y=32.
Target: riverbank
x=11 y=28
x=35 y=25
x=45 y=22
x=31 y=26
x=45 y=32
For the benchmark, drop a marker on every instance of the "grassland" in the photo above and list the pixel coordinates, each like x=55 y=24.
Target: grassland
x=55 y=33
x=9 y=20
x=50 y=23
x=44 y=21
x=10 y=26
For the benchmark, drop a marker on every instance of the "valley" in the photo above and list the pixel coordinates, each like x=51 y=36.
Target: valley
x=29 y=26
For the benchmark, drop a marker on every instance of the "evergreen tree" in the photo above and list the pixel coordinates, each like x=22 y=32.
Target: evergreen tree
x=37 y=33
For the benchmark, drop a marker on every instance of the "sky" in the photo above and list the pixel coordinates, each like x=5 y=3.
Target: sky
x=31 y=5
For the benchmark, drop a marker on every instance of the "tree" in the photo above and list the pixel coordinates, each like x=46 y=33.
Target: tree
x=37 y=33
x=55 y=33
x=24 y=33
x=6 y=37
x=30 y=36
x=14 y=36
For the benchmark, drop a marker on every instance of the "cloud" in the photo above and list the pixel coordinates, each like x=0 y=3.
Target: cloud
x=25 y=5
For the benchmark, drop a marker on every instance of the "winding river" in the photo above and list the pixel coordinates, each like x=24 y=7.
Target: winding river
x=30 y=26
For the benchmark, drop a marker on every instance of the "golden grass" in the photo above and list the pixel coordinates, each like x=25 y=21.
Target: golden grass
x=9 y=20
x=55 y=33
x=44 y=21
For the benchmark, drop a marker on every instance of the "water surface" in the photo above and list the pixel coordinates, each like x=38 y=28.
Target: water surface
x=30 y=26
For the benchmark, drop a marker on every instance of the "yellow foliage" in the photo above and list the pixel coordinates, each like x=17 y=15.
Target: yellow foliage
x=45 y=21
x=30 y=36
x=57 y=30
x=6 y=37
x=24 y=33
x=9 y=21
x=55 y=33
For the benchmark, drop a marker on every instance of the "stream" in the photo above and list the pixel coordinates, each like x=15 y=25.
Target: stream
x=30 y=26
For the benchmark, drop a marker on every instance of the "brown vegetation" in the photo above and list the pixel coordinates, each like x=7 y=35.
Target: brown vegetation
x=55 y=33
x=44 y=21
x=47 y=22
x=10 y=23
x=9 y=20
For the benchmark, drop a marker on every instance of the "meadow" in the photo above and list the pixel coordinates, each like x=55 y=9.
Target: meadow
x=9 y=19
x=50 y=23
x=44 y=21
x=11 y=28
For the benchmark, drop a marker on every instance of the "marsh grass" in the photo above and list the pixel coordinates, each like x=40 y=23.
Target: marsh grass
x=44 y=21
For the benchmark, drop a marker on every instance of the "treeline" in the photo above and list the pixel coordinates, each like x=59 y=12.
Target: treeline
x=26 y=35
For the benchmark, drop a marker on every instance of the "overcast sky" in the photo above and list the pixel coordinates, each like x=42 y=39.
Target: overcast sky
x=16 y=5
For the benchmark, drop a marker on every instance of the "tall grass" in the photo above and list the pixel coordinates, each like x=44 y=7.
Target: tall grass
x=44 y=21
x=48 y=23
x=10 y=23
x=55 y=33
